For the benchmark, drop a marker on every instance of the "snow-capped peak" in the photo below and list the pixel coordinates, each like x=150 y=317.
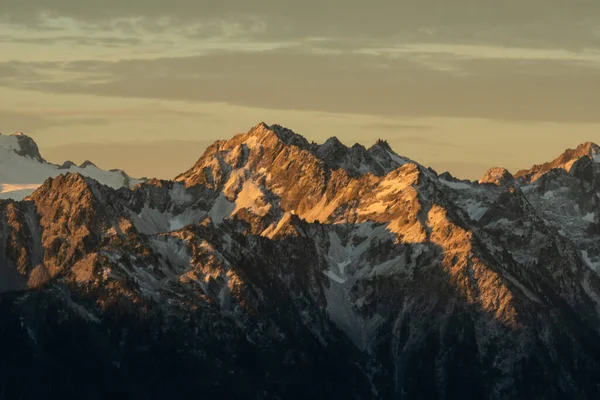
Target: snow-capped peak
x=22 y=145
x=24 y=169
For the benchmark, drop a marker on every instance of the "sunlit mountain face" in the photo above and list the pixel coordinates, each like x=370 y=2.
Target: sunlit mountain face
x=277 y=268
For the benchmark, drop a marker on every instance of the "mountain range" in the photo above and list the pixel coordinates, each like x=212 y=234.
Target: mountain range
x=276 y=268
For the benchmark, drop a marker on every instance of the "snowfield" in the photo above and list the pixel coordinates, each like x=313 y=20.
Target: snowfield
x=22 y=170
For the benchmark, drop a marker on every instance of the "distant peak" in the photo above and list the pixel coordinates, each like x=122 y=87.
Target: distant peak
x=284 y=134
x=588 y=148
x=497 y=176
x=67 y=165
x=565 y=161
x=447 y=176
x=68 y=185
x=332 y=151
x=66 y=179
x=333 y=140
x=383 y=144
x=260 y=127
x=26 y=147
x=87 y=163
x=263 y=141
x=359 y=147
x=332 y=143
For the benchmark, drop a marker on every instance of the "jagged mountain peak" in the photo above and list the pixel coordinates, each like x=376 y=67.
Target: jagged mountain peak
x=335 y=152
x=261 y=146
x=21 y=145
x=284 y=134
x=87 y=163
x=332 y=142
x=382 y=144
x=332 y=148
x=68 y=183
x=67 y=165
x=261 y=126
x=565 y=161
x=589 y=148
x=24 y=169
x=497 y=176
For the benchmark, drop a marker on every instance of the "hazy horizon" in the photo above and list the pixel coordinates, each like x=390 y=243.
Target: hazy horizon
x=460 y=87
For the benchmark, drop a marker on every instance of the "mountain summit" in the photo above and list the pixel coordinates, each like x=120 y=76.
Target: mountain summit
x=276 y=147
x=280 y=268
x=565 y=161
x=22 y=145
x=24 y=169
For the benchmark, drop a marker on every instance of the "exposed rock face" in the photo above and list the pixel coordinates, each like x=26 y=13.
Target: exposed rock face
x=278 y=268
x=27 y=147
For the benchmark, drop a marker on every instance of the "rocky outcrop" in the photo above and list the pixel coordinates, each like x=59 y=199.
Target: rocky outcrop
x=27 y=147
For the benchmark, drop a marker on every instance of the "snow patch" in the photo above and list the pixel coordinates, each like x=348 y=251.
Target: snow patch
x=341 y=310
x=476 y=210
x=395 y=157
x=530 y=295
x=249 y=198
x=175 y=224
x=595 y=265
x=456 y=185
x=151 y=221
x=589 y=217
x=179 y=194
x=221 y=209
x=21 y=175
